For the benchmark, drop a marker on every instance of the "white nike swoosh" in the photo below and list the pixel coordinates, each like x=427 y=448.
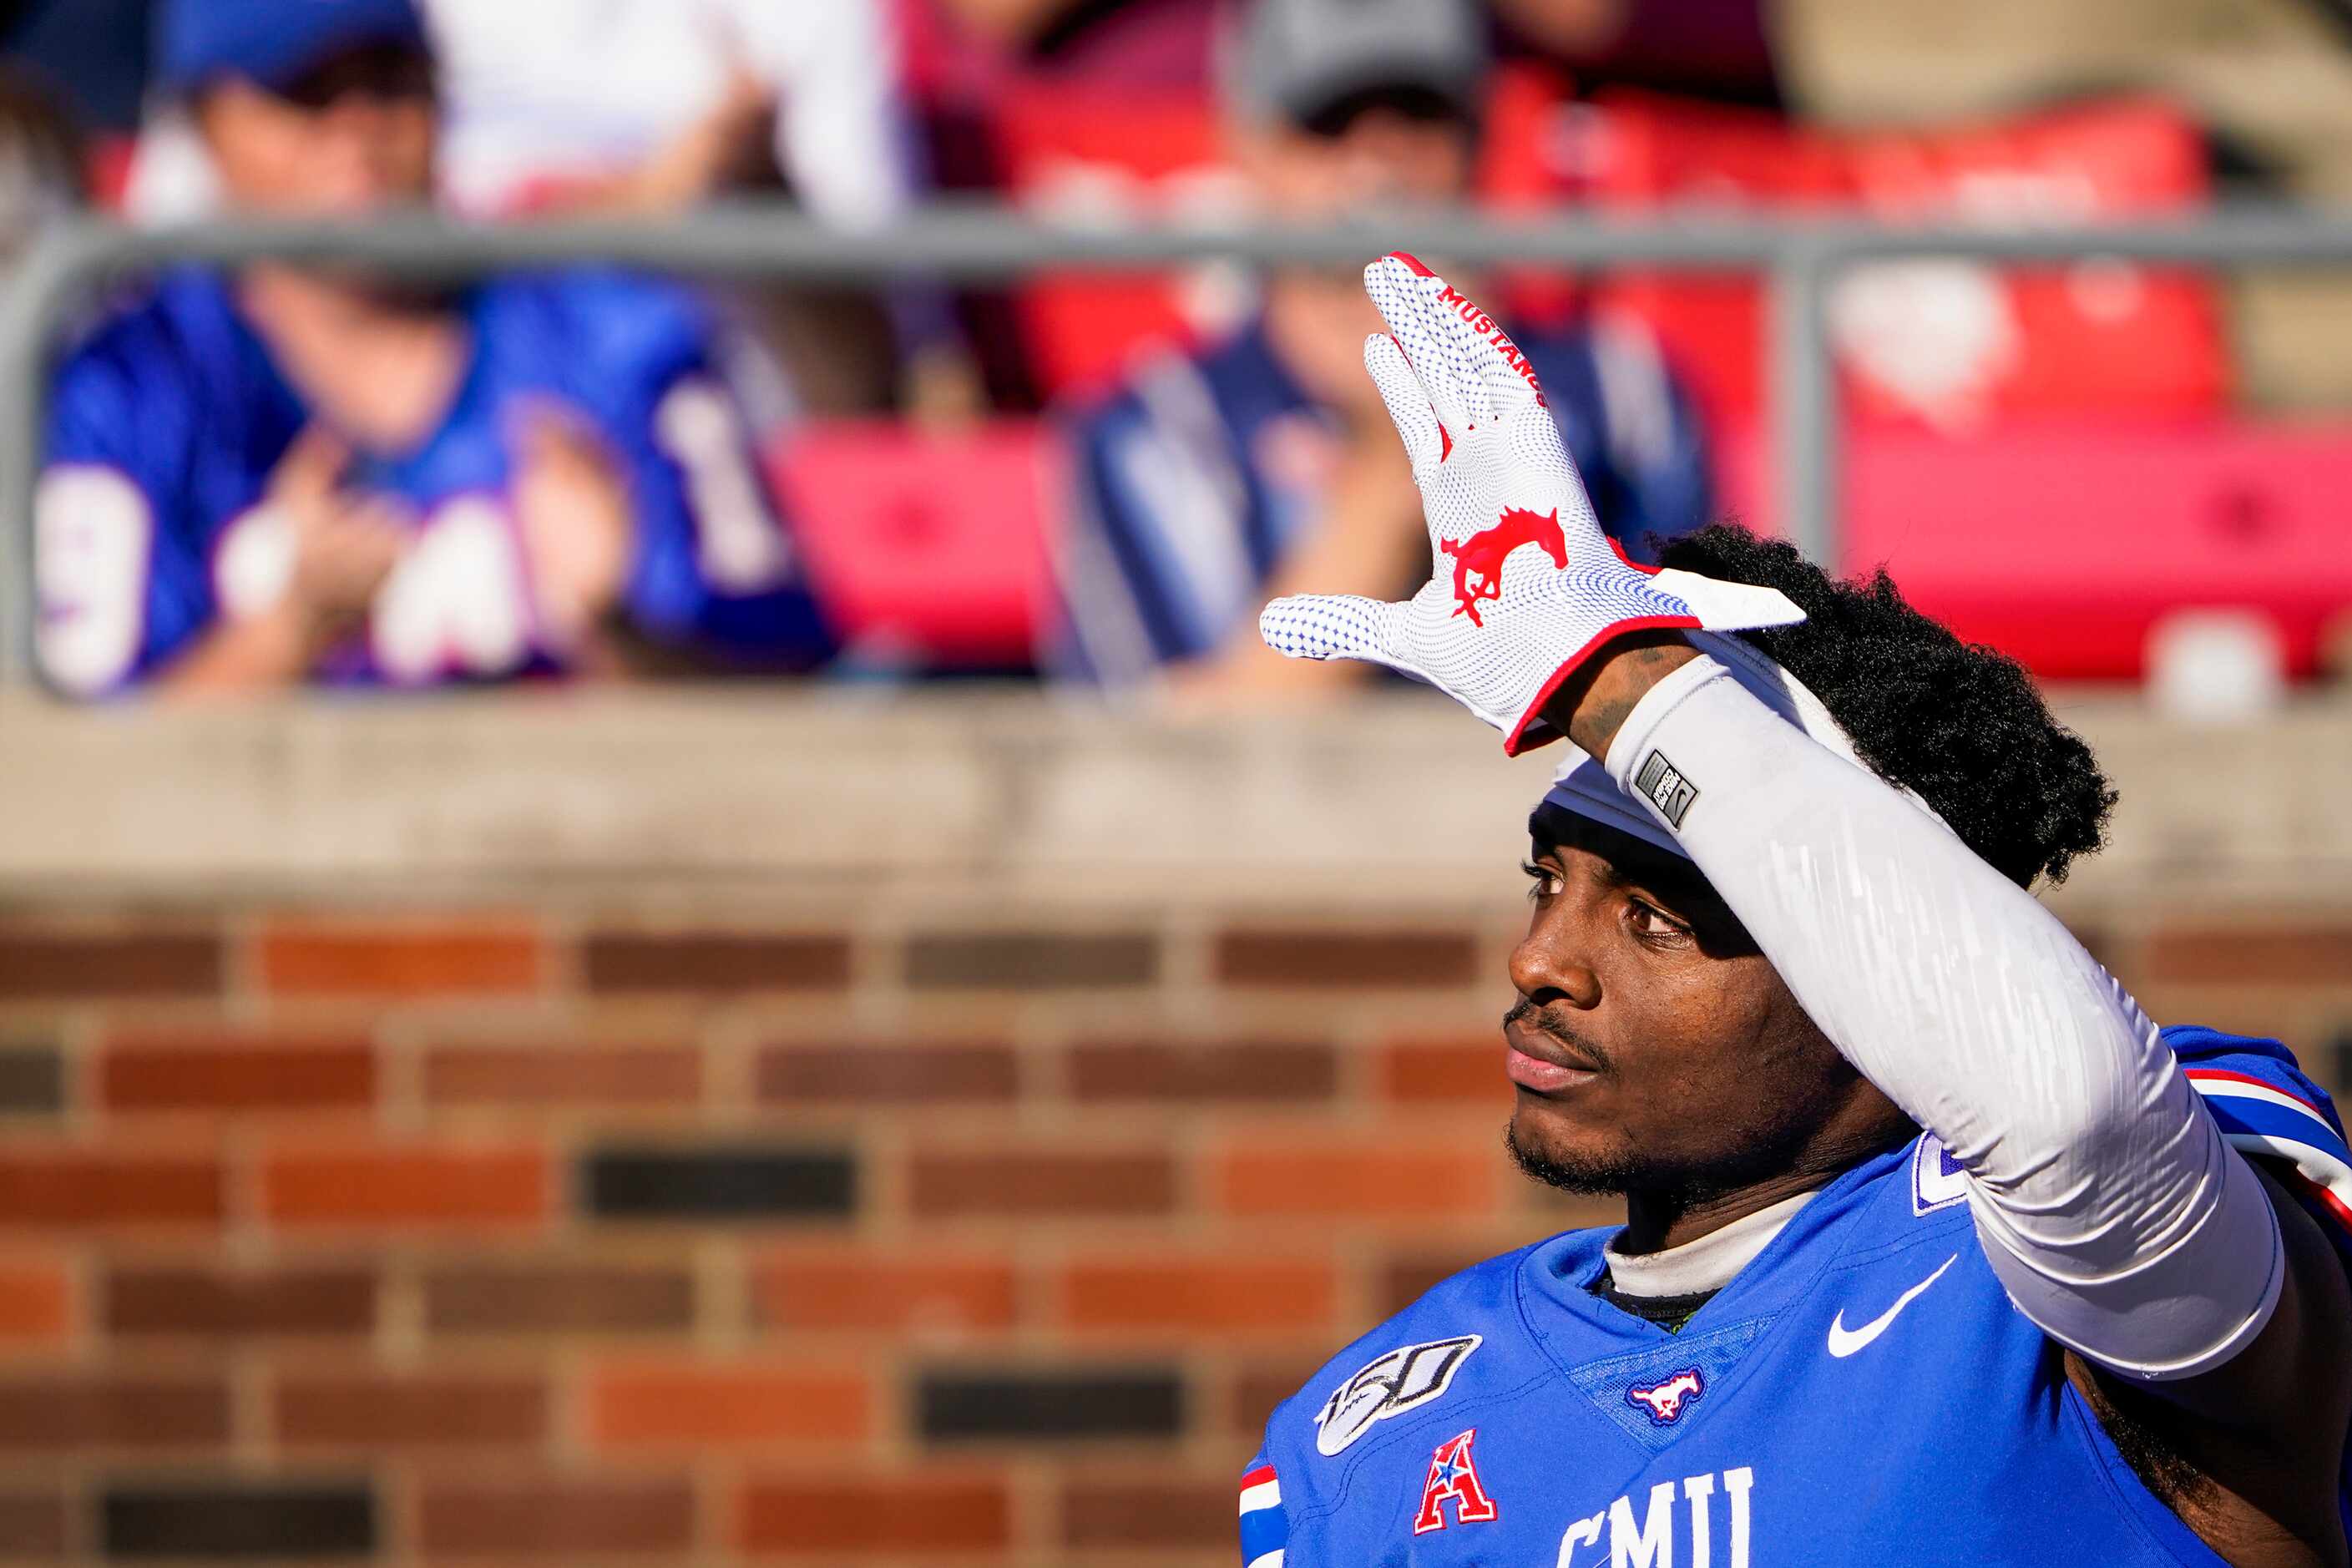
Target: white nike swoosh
x=1845 y=1341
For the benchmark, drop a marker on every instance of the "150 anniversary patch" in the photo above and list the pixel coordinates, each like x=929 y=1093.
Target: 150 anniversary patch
x=1405 y=1379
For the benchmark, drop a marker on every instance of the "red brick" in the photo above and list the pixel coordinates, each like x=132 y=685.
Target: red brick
x=900 y=1514
x=458 y=958
x=885 y=1075
x=892 y=1294
x=1376 y=1177
x=1032 y=960
x=697 y=1404
x=1100 y=1515
x=32 y=1074
x=109 y=964
x=36 y=1302
x=522 y=1076
x=451 y=1185
x=1207 y=1296
x=51 y=1416
x=373 y=1410
x=211 y=1303
x=568 y=1516
x=1033 y=1182
x=1418 y=1072
x=1257 y=1386
x=33 y=1523
x=1353 y=960
x=558 y=1297
x=1165 y=1073
x=716 y=961
x=80 y=1189
x=2250 y=954
x=201 y=1073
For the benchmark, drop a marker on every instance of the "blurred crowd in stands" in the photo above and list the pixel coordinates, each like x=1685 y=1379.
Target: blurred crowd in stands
x=303 y=473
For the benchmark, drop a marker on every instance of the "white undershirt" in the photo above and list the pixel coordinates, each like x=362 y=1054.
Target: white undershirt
x=1706 y=1264
x=2106 y=1197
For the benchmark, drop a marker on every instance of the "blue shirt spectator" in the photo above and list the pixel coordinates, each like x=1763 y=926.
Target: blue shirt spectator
x=306 y=472
x=158 y=516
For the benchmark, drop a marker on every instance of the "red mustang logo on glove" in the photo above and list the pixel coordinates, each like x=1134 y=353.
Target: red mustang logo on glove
x=1484 y=550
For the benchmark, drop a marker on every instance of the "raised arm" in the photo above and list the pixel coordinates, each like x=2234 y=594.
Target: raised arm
x=2110 y=1203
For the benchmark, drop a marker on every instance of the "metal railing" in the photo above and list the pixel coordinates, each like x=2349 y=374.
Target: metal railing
x=979 y=244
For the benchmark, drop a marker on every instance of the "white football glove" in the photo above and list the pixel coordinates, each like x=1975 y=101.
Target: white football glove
x=1525 y=584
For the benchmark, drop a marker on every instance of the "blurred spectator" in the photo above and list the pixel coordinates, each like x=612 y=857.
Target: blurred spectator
x=296 y=473
x=649 y=108
x=645 y=107
x=1218 y=478
x=652 y=106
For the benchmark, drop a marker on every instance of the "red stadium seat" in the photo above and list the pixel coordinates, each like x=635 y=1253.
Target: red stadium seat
x=1530 y=159
x=2065 y=541
x=1945 y=343
x=1644 y=152
x=1084 y=155
x=925 y=548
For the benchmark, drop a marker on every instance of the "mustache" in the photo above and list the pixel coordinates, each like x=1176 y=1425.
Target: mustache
x=1537 y=1018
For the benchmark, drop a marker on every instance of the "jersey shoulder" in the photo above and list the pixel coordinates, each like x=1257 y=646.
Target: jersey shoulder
x=598 y=331
x=1462 y=1345
x=1197 y=396
x=2268 y=1106
x=1166 y=412
x=144 y=369
x=2222 y=1065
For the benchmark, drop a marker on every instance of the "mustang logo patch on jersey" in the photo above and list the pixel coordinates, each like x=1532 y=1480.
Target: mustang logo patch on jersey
x=1665 y=1401
x=1454 y=1474
x=1405 y=1379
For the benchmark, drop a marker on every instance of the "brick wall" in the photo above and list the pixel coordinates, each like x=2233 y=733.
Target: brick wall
x=675 y=1131
x=449 y=1236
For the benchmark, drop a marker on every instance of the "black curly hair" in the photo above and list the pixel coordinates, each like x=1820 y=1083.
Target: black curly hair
x=1960 y=725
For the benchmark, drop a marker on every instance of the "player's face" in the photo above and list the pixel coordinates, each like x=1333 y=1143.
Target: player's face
x=1652 y=1047
x=353 y=137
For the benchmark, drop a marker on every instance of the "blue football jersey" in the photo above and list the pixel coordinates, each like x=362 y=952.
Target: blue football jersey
x=1863 y=1392
x=166 y=425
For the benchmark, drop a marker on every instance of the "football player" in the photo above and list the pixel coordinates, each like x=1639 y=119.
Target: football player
x=1935 y=1248
x=302 y=472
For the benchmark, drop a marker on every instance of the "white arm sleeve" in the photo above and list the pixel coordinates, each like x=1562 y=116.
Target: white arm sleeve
x=2106 y=1199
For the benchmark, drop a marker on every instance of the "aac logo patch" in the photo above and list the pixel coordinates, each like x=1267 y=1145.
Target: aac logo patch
x=1453 y=1473
x=1667 y=1401
x=1405 y=1379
